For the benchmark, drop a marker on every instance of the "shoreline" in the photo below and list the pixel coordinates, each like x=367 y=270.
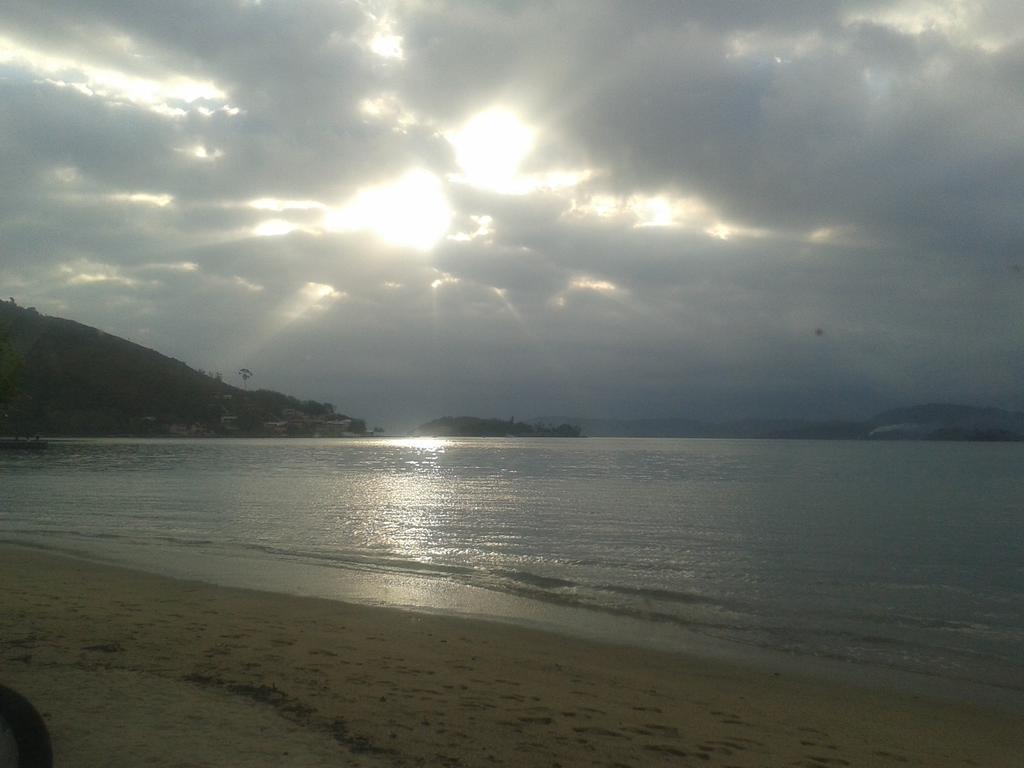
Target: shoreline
x=245 y=676
x=424 y=596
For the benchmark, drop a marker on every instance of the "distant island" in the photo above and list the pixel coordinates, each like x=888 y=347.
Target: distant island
x=934 y=421
x=471 y=426
x=59 y=377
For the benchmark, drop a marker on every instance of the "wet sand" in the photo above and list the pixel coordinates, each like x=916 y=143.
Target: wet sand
x=133 y=669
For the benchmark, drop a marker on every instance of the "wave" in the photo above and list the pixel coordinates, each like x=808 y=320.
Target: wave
x=61 y=532
x=536 y=580
x=664 y=595
x=877 y=641
x=360 y=560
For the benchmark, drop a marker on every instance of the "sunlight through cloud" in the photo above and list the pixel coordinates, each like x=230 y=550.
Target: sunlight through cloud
x=312 y=296
x=385 y=43
x=247 y=284
x=962 y=21
x=652 y=211
x=412 y=212
x=67 y=174
x=719 y=232
x=491 y=147
x=201 y=152
x=915 y=17
x=174 y=266
x=171 y=96
x=277 y=206
x=589 y=284
x=585 y=284
x=444 y=279
x=142 y=198
x=483 y=229
x=318 y=291
x=490 y=150
x=274 y=228
x=387 y=107
x=84 y=272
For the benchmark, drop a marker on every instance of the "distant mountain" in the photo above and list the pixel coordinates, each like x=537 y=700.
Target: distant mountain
x=59 y=377
x=637 y=427
x=78 y=380
x=935 y=421
x=471 y=426
x=942 y=421
x=678 y=427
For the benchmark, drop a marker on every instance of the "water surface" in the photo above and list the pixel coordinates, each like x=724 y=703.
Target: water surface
x=890 y=555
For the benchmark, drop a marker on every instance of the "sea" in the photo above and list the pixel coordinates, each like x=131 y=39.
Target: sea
x=870 y=560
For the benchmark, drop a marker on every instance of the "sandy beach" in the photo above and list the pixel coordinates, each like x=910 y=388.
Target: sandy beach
x=133 y=669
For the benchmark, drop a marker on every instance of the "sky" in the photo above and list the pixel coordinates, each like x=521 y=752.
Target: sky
x=530 y=209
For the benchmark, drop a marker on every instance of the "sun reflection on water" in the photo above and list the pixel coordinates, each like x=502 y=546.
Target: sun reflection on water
x=434 y=444
x=415 y=505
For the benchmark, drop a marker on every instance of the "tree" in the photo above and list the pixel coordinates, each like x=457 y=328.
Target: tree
x=246 y=374
x=10 y=365
x=10 y=368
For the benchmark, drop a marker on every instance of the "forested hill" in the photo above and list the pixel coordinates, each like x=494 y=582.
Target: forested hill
x=72 y=379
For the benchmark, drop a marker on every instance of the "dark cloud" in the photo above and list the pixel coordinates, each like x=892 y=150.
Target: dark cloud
x=860 y=158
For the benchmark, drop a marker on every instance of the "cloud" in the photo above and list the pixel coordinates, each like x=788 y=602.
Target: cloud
x=172 y=95
x=536 y=208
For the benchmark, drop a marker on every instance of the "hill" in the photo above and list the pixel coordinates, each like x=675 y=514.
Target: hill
x=73 y=379
x=471 y=426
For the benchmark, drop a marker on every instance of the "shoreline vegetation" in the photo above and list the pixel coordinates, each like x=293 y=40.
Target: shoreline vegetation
x=165 y=672
x=62 y=378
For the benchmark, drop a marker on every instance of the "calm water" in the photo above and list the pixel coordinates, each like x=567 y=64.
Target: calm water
x=891 y=555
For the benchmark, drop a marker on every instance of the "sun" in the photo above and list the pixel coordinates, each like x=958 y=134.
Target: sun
x=411 y=212
x=491 y=147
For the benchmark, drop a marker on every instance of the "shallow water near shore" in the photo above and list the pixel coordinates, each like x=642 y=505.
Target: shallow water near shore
x=889 y=556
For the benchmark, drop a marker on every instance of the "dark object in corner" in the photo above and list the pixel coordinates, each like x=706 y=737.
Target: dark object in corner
x=24 y=740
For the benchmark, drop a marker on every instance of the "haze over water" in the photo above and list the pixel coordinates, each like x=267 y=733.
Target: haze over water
x=905 y=555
